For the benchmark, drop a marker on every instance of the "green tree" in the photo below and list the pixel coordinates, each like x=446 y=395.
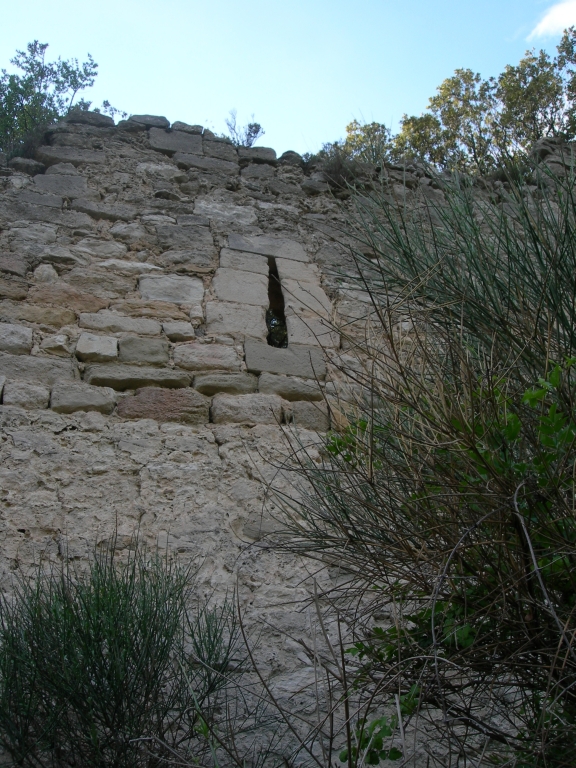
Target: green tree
x=369 y=142
x=41 y=95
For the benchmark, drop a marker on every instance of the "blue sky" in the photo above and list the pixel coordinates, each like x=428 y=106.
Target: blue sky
x=304 y=68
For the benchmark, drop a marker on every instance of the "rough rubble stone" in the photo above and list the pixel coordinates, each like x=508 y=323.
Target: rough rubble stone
x=63 y=295
x=169 y=142
x=241 y=287
x=307 y=362
x=238 y=320
x=13 y=264
x=128 y=233
x=45 y=273
x=307 y=415
x=13 y=289
x=128 y=267
x=41 y=370
x=56 y=345
x=65 y=186
x=225 y=213
x=76 y=156
x=174 y=288
x=110 y=322
x=116 y=212
x=179 y=331
x=150 y=351
x=16 y=339
x=77 y=396
x=220 y=150
x=206 y=357
x=121 y=377
x=23 y=394
x=26 y=165
x=150 y=121
x=96 y=349
x=268 y=245
x=245 y=262
x=291 y=158
x=208 y=164
x=102 y=249
x=179 y=126
x=246 y=409
x=182 y=405
x=86 y=117
x=64 y=169
x=289 y=387
x=257 y=172
x=231 y=383
x=54 y=317
x=162 y=310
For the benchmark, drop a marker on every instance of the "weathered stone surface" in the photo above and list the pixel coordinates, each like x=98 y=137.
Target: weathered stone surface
x=314 y=187
x=64 y=169
x=241 y=287
x=63 y=295
x=100 y=248
x=111 y=322
x=307 y=362
x=23 y=394
x=231 y=383
x=183 y=405
x=179 y=331
x=56 y=345
x=245 y=262
x=305 y=297
x=55 y=317
x=268 y=245
x=71 y=397
x=208 y=164
x=45 y=273
x=150 y=121
x=128 y=233
x=226 y=213
x=221 y=150
x=121 y=377
x=236 y=319
x=65 y=186
x=180 y=126
x=52 y=155
x=63 y=256
x=298 y=270
x=100 y=281
x=40 y=199
x=150 y=351
x=116 y=212
x=16 y=339
x=161 y=310
x=258 y=154
x=195 y=260
x=13 y=264
x=189 y=237
x=26 y=165
x=96 y=349
x=128 y=267
x=307 y=415
x=174 y=288
x=307 y=328
x=13 y=289
x=257 y=172
x=289 y=387
x=43 y=370
x=246 y=409
x=86 y=117
x=206 y=357
x=169 y=142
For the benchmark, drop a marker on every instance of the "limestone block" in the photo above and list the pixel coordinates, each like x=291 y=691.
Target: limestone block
x=169 y=142
x=63 y=256
x=101 y=249
x=23 y=394
x=306 y=361
x=302 y=298
x=183 y=405
x=49 y=316
x=150 y=351
x=45 y=273
x=16 y=339
x=13 y=289
x=65 y=186
x=221 y=150
x=172 y=236
x=179 y=126
x=128 y=233
x=56 y=345
x=246 y=409
x=268 y=245
x=241 y=287
x=193 y=260
x=26 y=165
x=174 y=288
x=297 y=270
x=231 y=383
x=52 y=155
x=257 y=172
x=41 y=370
x=207 y=164
x=40 y=199
x=236 y=319
x=100 y=281
x=307 y=415
x=289 y=387
x=63 y=295
x=96 y=349
x=150 y=121
x=179 y=331
x=116 y=212
x=163 y=310
x=128 y=267
x=257 y=154
x=226 y=213
x=77 y=396
x=206 y=357
x=121 y=377
x=305 y=328
x=110 y=322
x=245 y=262
x=85 y=117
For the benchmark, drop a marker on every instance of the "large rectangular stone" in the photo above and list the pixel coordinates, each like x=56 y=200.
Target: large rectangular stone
x=224 y=317
x=174 y=288
x=77 y=396
x=206 y=357
x=246 y=409
x=185 y=237
x=52 y=155
x=55 y=317
x=65 y=186
x=121 y=377
x=182 y=405
x=96 y=349
x=110 y=322
x=241 y=287
x=289 y=387
x=288 y=269
x=221 y=150
x=245 y=262
x=169 y=142
x=268 y=245
x=16 y=339
x=300 y=297
x=231 y=383
x=23 y=394
x=116 y=212
x=207 y=164
x=43 y=370
x=151 y=351
x=305 y=328
x=307 y=362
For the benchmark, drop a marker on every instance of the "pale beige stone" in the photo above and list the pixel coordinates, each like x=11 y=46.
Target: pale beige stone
x=238 y=320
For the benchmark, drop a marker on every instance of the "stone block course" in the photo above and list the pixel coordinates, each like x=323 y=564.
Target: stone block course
x=122 y=377
x=206 y=357
x=207 y=164
x=41 y=370
x=246 y=409
x=241 y=287
x=170 y=142
x=23 y=394
x=182 y=405
x=238 y=320
x=172 y=288
x=77 y=396
x=305 y=361
x=76 y=156
x=289 y=387
x=16 y=339
x=110 y=322
x=230 y=383
x=148 y=351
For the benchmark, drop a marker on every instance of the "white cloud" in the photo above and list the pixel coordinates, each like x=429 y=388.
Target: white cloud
x=556 y=20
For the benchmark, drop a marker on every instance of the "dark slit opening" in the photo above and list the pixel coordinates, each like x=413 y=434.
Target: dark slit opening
x=275 y=317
